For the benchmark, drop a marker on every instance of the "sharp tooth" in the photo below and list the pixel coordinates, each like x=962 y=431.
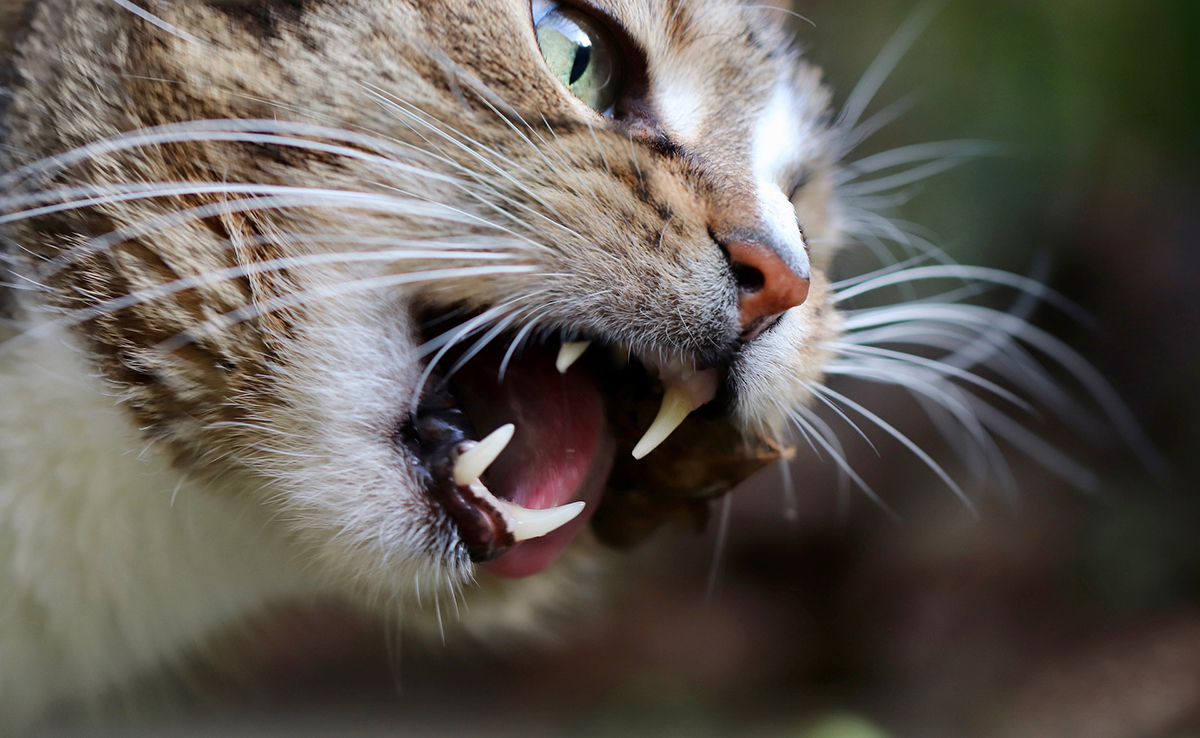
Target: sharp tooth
x=474 y=461
x=569 y=354
x=525 y=523
x=675 y=407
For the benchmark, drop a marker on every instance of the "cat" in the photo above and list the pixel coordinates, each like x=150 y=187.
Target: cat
x=384 y=300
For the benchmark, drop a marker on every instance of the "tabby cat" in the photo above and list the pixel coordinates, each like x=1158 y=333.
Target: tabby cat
x=386 y=300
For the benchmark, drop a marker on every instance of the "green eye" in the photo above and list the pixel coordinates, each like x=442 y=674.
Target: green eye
x=582 y=55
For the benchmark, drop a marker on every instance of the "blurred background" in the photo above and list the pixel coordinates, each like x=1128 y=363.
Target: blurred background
x=1054 y=613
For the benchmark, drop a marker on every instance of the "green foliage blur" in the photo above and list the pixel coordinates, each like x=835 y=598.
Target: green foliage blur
x=1097 y=103
x=1089 y=93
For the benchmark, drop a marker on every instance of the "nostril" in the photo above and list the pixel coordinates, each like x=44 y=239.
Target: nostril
x=748 y=278
x=767 y=285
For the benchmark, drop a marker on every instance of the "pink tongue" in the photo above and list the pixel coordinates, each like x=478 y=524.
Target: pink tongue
x=560 y=452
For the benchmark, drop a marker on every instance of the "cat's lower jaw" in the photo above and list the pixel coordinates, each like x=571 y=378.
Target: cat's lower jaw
x=112 y=563
x=115 y=565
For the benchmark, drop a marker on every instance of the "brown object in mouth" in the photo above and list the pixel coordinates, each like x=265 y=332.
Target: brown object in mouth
x=701 y=461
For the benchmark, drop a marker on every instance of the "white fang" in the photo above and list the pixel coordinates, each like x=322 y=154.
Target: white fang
x=477 y=457
x=569 y=354
x=525 y=523
x=676 y=406
x=522 y=522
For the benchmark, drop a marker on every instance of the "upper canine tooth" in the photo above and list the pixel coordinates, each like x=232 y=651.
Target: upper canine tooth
x=701 y=386
x=676 y=405
x=525 y=523
x=680 y=397
x=569 y=354
x=476 y=458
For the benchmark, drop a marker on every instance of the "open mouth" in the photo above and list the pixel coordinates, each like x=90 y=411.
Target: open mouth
x=522 y=449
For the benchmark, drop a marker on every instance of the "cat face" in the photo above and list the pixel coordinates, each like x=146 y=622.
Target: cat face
x=323 y=248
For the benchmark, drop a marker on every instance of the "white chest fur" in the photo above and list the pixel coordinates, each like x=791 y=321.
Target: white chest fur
x=111 y=562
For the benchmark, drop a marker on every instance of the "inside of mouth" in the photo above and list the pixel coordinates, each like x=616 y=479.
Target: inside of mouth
x=561 y=450
x=559 y=419
x=575 y=440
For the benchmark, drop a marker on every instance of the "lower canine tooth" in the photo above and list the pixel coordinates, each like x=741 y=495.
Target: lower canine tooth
x=676 y=405
x=525 y=523
x=474 y=461
x=569 y=354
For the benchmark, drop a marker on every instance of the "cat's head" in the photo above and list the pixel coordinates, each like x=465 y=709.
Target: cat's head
x=307 y=238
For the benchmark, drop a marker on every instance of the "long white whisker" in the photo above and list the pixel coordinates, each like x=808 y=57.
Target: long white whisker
x=714 y=568
x=778 y=9
x=805 y=419
x=883 y=65
x=979 y=458
x=944 y=394
x=933 y=365
x=906 y=441
x=901 y=179
x=999 y=351
x=816 y=429
x=791 y=505
x=293 y=198
x=77 y=198
x=1065 y=356
x=860 y=133
x=476 y=150
x=198 y=131
x=514 y=346
x=441 y=127
x=246 y=130
x=445 y=342
x=1009 y=360
x=161 y=24
x=868 y=238
x=931 y=151
x=843 y=284
x=501 y=326
x=452 y=135
x=489 y=98
x=360 y=285
x=1036 y=448
x=176 y=286
x=841 y=414
x=66 y=199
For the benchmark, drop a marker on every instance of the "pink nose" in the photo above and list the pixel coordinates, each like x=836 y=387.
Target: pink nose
x=766 y=285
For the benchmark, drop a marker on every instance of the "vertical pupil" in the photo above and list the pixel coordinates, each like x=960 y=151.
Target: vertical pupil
x=583 y=55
